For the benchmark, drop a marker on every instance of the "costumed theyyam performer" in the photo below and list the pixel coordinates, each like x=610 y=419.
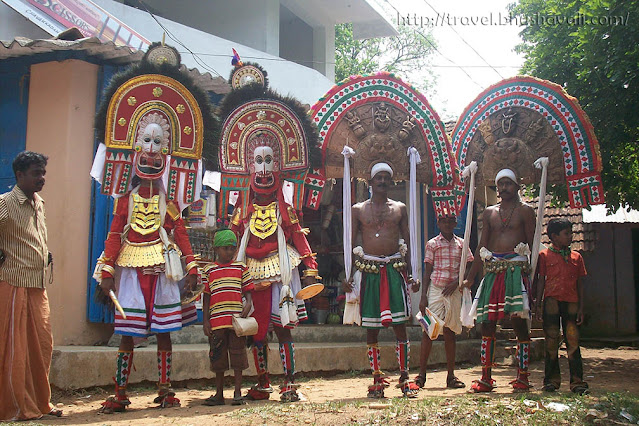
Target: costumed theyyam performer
x=382 y=277
x=522 y=130
x=156 y=124
x=504 y=248
x=269 y=161
x=381 y=129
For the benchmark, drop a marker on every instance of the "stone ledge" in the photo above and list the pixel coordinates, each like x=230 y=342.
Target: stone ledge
x=306 y=333
x=75 y=367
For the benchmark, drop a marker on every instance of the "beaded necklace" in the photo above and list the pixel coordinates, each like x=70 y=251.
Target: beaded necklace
x=506 y=222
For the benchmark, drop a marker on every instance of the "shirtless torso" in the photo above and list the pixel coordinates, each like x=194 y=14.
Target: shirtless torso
x=505 y=225
x=508 y=224
x=381 y=225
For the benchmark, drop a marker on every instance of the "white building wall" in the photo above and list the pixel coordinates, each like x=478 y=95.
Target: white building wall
x=324 y=51
x=13 y=25
x=305 y=84
x=264 y=25
x=251 y=23
x=296 y=39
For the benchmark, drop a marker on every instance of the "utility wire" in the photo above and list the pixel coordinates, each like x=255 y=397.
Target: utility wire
x=197 y=59
x=302 y=61
x=465 y=42
x=437 y=50
x=200 y=62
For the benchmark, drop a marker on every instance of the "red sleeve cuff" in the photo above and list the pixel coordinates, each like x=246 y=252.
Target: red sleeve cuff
x=310 y=262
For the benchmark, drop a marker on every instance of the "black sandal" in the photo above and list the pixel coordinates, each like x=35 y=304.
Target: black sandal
x=581 y=390
x=212 y=401
x=55 y=412
x=420 y=380
x=238 y=400
x=454 y=383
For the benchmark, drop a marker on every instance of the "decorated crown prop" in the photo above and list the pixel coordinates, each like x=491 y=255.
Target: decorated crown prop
x=156 y=90
x=519 y=119
x=255 y=116
x=380 y=117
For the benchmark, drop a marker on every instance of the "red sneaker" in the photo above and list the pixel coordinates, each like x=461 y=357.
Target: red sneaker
x=255 y=394
x=376 y=390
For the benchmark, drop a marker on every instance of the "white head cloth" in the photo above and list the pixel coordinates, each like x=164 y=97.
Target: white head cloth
x=381 y=167
x=506 y=173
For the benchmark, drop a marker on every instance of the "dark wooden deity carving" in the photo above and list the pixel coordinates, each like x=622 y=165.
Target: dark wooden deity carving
x=377 y=131
x=514 y=138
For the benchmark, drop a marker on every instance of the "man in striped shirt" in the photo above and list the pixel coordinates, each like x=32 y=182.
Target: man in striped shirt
x=26 y=342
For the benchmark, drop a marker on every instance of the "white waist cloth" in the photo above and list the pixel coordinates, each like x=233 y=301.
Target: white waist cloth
x=447 y=308
x=382 y=259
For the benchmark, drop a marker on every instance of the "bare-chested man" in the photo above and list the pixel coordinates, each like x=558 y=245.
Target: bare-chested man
x=381 y=270
x=508 y=233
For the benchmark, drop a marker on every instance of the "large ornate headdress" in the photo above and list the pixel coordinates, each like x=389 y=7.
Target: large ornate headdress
x=266 y=133
x=380 y=117
x=520 y=119
x=156 y=123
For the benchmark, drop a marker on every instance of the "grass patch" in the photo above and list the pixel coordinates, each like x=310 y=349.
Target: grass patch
x=524 y=409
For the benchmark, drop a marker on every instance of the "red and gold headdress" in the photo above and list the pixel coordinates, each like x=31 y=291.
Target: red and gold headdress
x=253 y=117
x=156 y=124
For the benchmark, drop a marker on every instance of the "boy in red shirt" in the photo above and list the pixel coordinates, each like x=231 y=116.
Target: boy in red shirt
x=560 y=289
x=222 y=298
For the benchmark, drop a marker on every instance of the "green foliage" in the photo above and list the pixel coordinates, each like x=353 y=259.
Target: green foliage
x=599 y=65
x=406 y=53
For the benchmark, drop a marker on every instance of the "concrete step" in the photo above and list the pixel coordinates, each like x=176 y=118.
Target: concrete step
x=311 y=333
x=76 y=367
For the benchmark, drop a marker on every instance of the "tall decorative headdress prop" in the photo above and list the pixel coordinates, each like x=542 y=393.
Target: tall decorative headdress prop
x=256 y=117
x=156 y=123
x=520 y=119
x=380 y=118
x=536 y=129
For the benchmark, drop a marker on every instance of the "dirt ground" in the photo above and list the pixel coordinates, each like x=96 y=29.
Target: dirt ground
x=328 y=400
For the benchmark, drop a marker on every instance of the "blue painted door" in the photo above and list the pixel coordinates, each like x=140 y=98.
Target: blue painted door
x=101 y=215
x=14 y=100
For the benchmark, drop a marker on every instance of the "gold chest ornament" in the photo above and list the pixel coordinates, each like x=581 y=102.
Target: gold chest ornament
x=263 y=222
x=145 y=217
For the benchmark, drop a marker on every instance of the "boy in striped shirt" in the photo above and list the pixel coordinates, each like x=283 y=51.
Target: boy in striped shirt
x=228 y=281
